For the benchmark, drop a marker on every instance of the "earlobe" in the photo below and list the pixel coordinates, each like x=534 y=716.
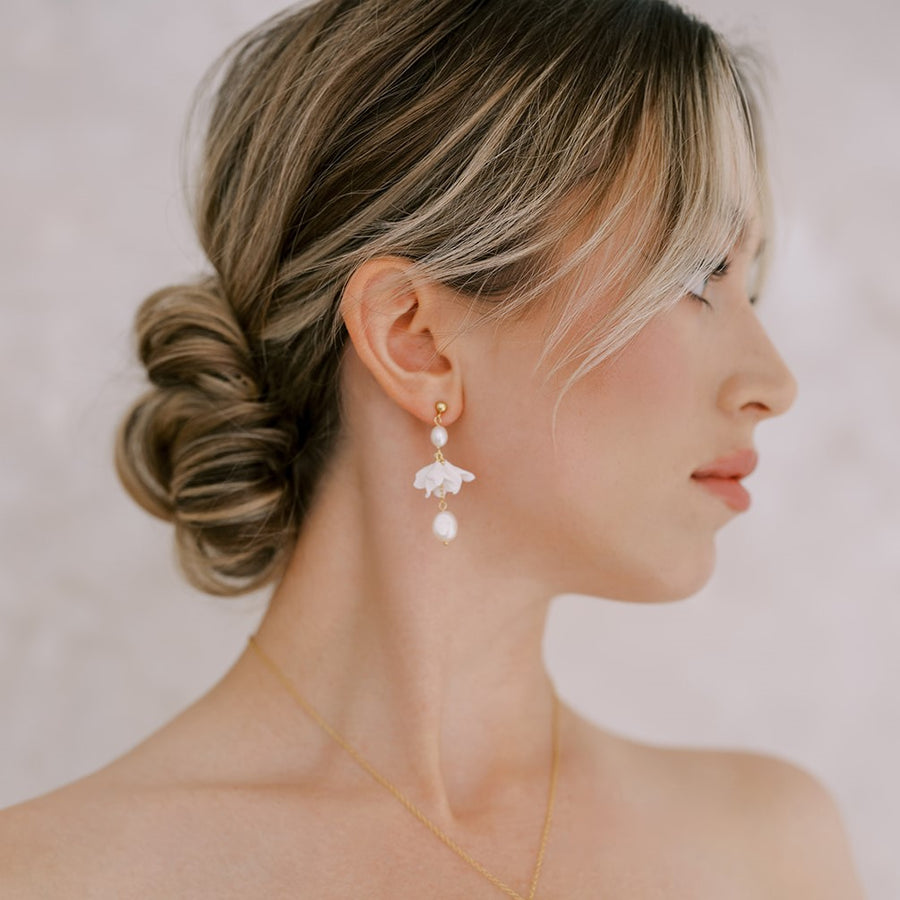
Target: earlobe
x=392 y=320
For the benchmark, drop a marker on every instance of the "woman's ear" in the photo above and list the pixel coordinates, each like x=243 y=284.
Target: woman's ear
x=401 y=327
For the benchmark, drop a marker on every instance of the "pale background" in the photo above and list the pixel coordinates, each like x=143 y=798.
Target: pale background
x=791 y=649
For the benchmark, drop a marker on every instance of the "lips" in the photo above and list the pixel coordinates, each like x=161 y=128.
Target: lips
x=735 y=465
x=721 y=477
x=729 y=489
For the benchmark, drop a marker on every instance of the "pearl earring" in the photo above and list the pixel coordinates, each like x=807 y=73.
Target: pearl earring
x=442 y=476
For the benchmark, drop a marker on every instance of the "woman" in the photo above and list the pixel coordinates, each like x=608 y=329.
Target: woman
x=505 y=253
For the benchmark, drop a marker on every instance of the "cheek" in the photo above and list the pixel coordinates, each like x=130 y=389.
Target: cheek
x=631 y=412
x=507 y=424
x=653 y=371
x=609 y=502
x=622 y=470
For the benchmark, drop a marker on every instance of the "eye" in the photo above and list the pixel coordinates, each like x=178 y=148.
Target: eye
x=697 y=287
x=698 y=296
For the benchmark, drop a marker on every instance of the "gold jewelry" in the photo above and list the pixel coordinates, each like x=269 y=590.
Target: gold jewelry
x=443 y=476
x=412 y=807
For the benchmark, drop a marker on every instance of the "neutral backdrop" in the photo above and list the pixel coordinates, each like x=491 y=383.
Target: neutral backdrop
x=791 y=648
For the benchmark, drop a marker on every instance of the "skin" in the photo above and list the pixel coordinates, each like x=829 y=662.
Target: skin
x=428 y=657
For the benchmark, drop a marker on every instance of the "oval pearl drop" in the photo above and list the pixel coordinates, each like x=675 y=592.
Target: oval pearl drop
x=445 y=526
x=439 y=436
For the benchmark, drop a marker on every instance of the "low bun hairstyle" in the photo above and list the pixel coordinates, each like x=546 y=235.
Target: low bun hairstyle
x=204 y=447
x=450 y=132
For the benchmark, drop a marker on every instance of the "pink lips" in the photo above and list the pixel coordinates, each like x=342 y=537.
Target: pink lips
x=729 y=489
x=722 y=477
x=735 y=465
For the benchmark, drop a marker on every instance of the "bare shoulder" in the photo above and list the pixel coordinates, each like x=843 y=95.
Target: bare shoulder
x=97 y=835
x=785 y=822
x=801 y=835
x=103 y=836
x=194 y=809
x=41 y=842
x=179 y=808
x=769 y=827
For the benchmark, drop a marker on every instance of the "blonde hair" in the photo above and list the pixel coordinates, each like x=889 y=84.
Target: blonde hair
x=451 y=133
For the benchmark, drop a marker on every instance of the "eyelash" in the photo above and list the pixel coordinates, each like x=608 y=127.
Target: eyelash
x=720 y=271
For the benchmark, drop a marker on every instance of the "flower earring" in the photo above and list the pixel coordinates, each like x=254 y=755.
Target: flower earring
x=441 y=476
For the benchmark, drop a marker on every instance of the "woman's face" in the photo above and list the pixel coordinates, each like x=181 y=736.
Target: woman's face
x=613 y=507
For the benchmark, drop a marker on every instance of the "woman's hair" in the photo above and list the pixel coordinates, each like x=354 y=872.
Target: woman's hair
x=475 y=139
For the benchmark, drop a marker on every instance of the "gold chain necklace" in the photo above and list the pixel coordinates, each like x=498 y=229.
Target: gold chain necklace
x=288 y=684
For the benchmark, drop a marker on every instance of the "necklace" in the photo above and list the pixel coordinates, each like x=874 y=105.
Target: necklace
x=288 y=684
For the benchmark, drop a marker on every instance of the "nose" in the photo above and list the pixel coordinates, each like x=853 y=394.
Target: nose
x=760 y=379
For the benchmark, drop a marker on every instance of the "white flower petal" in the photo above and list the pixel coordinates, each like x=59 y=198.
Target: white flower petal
x=441 y=474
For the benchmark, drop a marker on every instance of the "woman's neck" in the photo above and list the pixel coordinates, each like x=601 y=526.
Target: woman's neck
x=427 y=665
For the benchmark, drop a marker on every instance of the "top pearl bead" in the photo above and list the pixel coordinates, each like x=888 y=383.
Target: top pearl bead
x=439 y=436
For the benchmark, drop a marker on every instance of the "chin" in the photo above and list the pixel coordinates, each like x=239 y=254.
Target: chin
x=682 y=580
x=653 y=583
x=648 y=568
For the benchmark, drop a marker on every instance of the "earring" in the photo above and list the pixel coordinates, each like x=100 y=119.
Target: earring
x=442 y=476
